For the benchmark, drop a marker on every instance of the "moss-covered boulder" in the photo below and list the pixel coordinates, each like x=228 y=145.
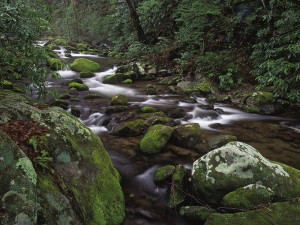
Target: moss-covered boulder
x=237 y=165
x=86 y=74
x=151 y=90
x=65 y=96
x=177 y=195
x=119 y=99
x=156 y=138
x=53 y=47
x=82 y=65
x=148 y=109
x=54 y=64
x=220 y=140
x=129 y=129
x=197 y=213
x=78 y=86
x=154 y=114
x=18 y=184
x=260 y=102
x=176 y=113
x=187 y=135
x=188 y=87
x=83 y=187
x=248 y=197
x=163 y=173
x=281 y=213
x=127 y=81
x=76 y=80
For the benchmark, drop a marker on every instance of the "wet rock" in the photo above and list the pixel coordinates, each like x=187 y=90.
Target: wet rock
x=68 y=54
x=188 y=100
x=92 y=96
x=65 y=96
x=73 y=91
x=115 y=109
x=260 y=102
x=236 y=165
x=119 y=99
x=163 y=173
x=55 y=64
x=155 y=139
x=177 y=195
x=60 y=103
x=208 y=106
x=189 y=87
x=78 y=86
x=176 y=113
x=277 y=213
x=171 y=80
x=115 y=78
x=81 y=65
x=187 y=135
x=198 y=213
x=129 y=129
x=148 y=115
x=219 y=111
x=248 y=197
x=151 y=90
x=220 y=140
x=87 y=74
x=75 y=111
x=148 y=109
x=86 y=189
x=161 y=120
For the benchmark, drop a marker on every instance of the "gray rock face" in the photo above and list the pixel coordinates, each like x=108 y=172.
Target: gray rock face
x=236 y=165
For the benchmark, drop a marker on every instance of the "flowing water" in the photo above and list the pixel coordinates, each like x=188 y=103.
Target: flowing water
x=277 y=138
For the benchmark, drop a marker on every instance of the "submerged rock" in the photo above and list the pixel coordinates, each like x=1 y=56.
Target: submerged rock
x=220 y=140
x=156 y=138
x=163 y=173
x=83 y=187
x=82 y=65
x=237 y=165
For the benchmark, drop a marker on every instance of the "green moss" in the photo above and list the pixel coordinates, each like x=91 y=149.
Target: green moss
x=130 y=129
x=81 y=65
x=65 y=96
x=27 y=167
x=163 y=173
x=55 y=64
x=281 y=213
x=119 y=99
x=60 y=103
x=76 y=80
x=53 y=47
x=187 y=135
x=148 y=109
x=156 y=138
x=127 y=81
x=115 y=109
x=177 y=195
x=248 y=197
x=74 y=99
x=86 y=74
x=251 y=109
x=161 y=120
x=75 y=111
x=19 y=90
x=147 y=115
x=5 y=84
x=198 y=213
x=115 y=78
x=79 y=87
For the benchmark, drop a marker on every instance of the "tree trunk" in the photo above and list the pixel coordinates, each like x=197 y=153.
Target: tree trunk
x=136 y=22
x=75 y=18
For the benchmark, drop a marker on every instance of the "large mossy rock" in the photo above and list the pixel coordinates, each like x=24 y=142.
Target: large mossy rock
x=119 y=99
x=156 y=138
x=163 y=173
x=84 y=65
x=177 y=195
x=187 y=135
x=116 y=78
x=237 y=165
x=279 y=213
x=197 y=213
x=85 y=188
x=78 y=86
x=260 y=102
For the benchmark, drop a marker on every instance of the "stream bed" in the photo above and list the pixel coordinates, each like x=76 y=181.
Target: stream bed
x=277 y=138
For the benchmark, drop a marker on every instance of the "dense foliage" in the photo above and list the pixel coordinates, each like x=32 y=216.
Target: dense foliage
x=21 y=24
